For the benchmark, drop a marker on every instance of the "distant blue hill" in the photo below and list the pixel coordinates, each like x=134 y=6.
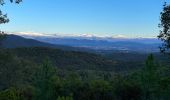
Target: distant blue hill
x=14 y=41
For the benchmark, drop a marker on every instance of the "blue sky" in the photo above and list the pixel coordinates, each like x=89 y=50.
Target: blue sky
x=131 y=18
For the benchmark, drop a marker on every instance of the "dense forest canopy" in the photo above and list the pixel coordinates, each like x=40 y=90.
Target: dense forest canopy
x=23 y=79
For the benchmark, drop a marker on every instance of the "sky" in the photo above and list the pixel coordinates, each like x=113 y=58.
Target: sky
x=131 y=18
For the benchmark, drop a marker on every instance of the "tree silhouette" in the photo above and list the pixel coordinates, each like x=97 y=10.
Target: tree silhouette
x=165 y=28
x=3 y=17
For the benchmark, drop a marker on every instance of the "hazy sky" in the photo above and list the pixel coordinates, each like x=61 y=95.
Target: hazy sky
x=100 y=17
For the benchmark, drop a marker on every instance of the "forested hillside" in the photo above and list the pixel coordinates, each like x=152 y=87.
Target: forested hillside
x=80 y=60
x=71 y=60
x=51 y=74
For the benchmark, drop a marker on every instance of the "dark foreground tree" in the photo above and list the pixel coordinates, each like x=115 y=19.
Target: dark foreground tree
x=16 y=1
x=165 y=28
x=3 y=17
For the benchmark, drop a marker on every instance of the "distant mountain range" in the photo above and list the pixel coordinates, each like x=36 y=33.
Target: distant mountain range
x=102 y=43
x=89 y=43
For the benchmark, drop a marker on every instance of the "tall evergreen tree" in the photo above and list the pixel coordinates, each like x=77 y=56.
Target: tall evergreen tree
x=165 y=28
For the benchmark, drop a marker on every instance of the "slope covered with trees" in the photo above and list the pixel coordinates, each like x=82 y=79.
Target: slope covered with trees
x=63 y=59
x=23 y=79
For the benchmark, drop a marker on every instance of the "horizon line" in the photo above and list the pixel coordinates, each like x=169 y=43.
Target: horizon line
x=41 y=34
